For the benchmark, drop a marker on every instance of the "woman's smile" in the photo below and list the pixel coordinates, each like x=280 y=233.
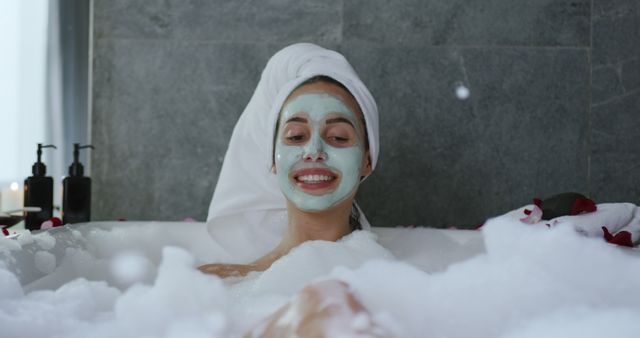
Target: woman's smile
x=315 y=181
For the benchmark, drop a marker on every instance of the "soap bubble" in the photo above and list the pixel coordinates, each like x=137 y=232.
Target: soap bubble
x=130 y=267
x=45 y=241
x=44 y=261
x=11 y=288
x=462 y=92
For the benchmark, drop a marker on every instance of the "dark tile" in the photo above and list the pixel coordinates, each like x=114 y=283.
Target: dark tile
x=631 y=75
x=220 y=21
x=464 y=22
x=147 y=19
x=445 y=161
x=616 y=31
x=615 y=155
x=605 y=84
x=258 y=20
x=613 y=8
x=162 y=117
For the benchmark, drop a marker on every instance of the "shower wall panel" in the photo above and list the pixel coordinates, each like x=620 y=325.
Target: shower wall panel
x=553 y=105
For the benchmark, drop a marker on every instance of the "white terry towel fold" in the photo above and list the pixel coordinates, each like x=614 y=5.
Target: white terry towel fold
x=247 y=201
x=615 y=217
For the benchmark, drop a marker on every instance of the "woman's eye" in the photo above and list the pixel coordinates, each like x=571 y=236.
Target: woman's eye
x=339 y=134
x=295 y=138
x=339 y=139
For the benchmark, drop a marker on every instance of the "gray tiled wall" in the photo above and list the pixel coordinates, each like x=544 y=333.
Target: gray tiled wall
x=554 y=105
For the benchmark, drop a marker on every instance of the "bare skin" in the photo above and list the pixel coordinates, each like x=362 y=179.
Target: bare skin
x=320 y=310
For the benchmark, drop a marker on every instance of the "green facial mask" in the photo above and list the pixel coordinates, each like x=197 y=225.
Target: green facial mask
x=345 y=161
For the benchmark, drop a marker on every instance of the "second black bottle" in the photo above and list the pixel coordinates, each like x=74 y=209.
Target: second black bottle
x=76 y=191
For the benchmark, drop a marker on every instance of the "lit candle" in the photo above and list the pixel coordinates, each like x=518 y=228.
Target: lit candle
x=11 y=197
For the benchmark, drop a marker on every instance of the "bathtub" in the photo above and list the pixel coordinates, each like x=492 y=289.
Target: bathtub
x=428 y=248
x=508 y=280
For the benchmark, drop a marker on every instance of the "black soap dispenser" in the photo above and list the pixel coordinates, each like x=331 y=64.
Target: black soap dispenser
x=76 y=191
x=38 y=192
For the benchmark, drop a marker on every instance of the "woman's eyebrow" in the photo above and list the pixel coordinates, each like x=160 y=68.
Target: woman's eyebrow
x=338 y=120
x=297 y=119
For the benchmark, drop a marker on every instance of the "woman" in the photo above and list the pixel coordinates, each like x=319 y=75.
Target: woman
x=317 y=124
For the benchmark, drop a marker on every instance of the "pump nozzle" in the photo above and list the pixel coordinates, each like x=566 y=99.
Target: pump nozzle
x=76 y=168
x=38 y=168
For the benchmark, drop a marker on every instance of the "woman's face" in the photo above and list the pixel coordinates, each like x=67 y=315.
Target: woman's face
x=320 y=153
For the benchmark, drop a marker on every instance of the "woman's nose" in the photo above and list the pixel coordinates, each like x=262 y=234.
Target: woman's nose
x=315 y=156
x=314 y=150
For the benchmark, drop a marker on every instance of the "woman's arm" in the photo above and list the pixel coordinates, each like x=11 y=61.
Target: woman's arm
x=227 y=270
x=323 y=309
x=241 y=270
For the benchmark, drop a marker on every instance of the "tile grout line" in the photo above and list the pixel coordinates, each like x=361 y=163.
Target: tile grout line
x=90 y=86
x=590 y=103
x=342 y=24
x=205 y=41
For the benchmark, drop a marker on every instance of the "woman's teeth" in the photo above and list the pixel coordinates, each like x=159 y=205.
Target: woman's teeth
x=315 y=178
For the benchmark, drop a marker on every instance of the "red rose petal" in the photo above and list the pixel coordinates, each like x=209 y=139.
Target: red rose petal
x=583 y=205
x=5 y=232
x=56 y=221
x=538 y=202
x=527 y=212
x=622 y=238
